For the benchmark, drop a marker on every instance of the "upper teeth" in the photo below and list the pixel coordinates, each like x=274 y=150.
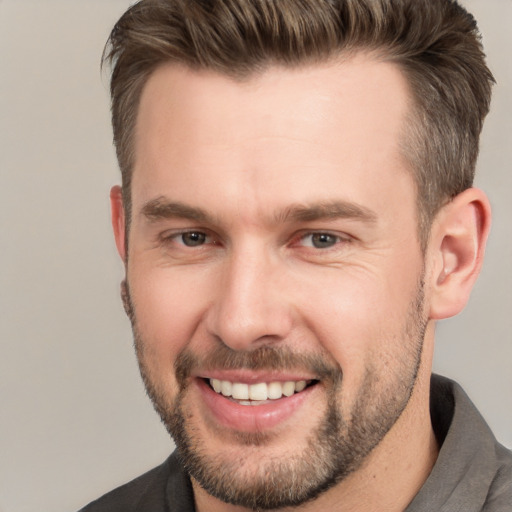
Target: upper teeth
x=259 y=391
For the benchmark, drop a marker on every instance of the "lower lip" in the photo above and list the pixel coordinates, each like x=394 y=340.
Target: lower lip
x=251 y=418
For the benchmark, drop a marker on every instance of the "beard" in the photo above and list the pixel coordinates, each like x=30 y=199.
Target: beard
x=338 y=445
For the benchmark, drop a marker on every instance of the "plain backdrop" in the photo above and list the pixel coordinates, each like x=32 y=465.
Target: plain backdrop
x=74 y=419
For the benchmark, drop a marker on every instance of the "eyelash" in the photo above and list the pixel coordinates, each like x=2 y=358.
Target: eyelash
x=173 y=237
x=335 y=239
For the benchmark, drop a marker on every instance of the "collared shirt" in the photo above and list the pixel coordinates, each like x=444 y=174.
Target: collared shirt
x=473 y=473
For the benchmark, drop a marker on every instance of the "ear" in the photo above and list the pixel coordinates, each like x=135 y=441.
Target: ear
x=118 y=220
x=456 y=251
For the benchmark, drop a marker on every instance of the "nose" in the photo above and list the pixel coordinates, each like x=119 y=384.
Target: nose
x=250 y=308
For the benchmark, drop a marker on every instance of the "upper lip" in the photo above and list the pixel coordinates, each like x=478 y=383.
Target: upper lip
x=252 y=377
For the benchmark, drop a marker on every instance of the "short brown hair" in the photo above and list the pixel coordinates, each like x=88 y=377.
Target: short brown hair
x=435 y=42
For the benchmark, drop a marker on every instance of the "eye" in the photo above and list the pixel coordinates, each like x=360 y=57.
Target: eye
x=188 y=245
x=321 y=240
x=186 y=239
x=193 y=238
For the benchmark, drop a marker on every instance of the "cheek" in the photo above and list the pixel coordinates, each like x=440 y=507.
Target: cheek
x=359 y=317
x=169 y=307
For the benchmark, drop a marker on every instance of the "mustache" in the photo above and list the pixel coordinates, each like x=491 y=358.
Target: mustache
x=267 y=357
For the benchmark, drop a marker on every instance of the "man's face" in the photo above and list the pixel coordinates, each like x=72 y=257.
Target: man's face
x=274 y=272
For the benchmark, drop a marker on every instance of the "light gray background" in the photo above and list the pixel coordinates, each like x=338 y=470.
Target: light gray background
x=74 y=420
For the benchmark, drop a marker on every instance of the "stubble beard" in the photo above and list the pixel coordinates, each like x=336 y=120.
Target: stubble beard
x=333 y=450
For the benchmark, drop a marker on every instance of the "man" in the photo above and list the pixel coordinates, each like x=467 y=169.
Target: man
x=296 y=213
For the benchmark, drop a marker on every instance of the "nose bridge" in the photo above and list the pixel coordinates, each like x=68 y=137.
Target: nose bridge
x=249 y=307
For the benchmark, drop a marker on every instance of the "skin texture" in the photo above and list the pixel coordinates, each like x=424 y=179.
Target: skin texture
x=233 y=187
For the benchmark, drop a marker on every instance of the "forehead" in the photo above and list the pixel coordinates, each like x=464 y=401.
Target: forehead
x=358 y=88
x=336 y=125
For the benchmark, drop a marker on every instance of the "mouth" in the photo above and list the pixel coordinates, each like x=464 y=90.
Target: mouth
x=258 y=393
x=258 y=404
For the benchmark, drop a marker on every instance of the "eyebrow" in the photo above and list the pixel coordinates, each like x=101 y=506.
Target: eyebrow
x=161 y=208
x=327 y=210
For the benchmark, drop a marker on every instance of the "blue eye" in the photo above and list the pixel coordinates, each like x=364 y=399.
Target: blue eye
x=193 y=238
x=320 y=240
x=323 y=240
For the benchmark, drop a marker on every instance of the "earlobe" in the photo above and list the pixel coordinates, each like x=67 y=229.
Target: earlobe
x=118 y=220
x=456 y=250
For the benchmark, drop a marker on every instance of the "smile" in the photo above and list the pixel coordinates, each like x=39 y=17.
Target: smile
x=257 y=393
x=231 y=401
